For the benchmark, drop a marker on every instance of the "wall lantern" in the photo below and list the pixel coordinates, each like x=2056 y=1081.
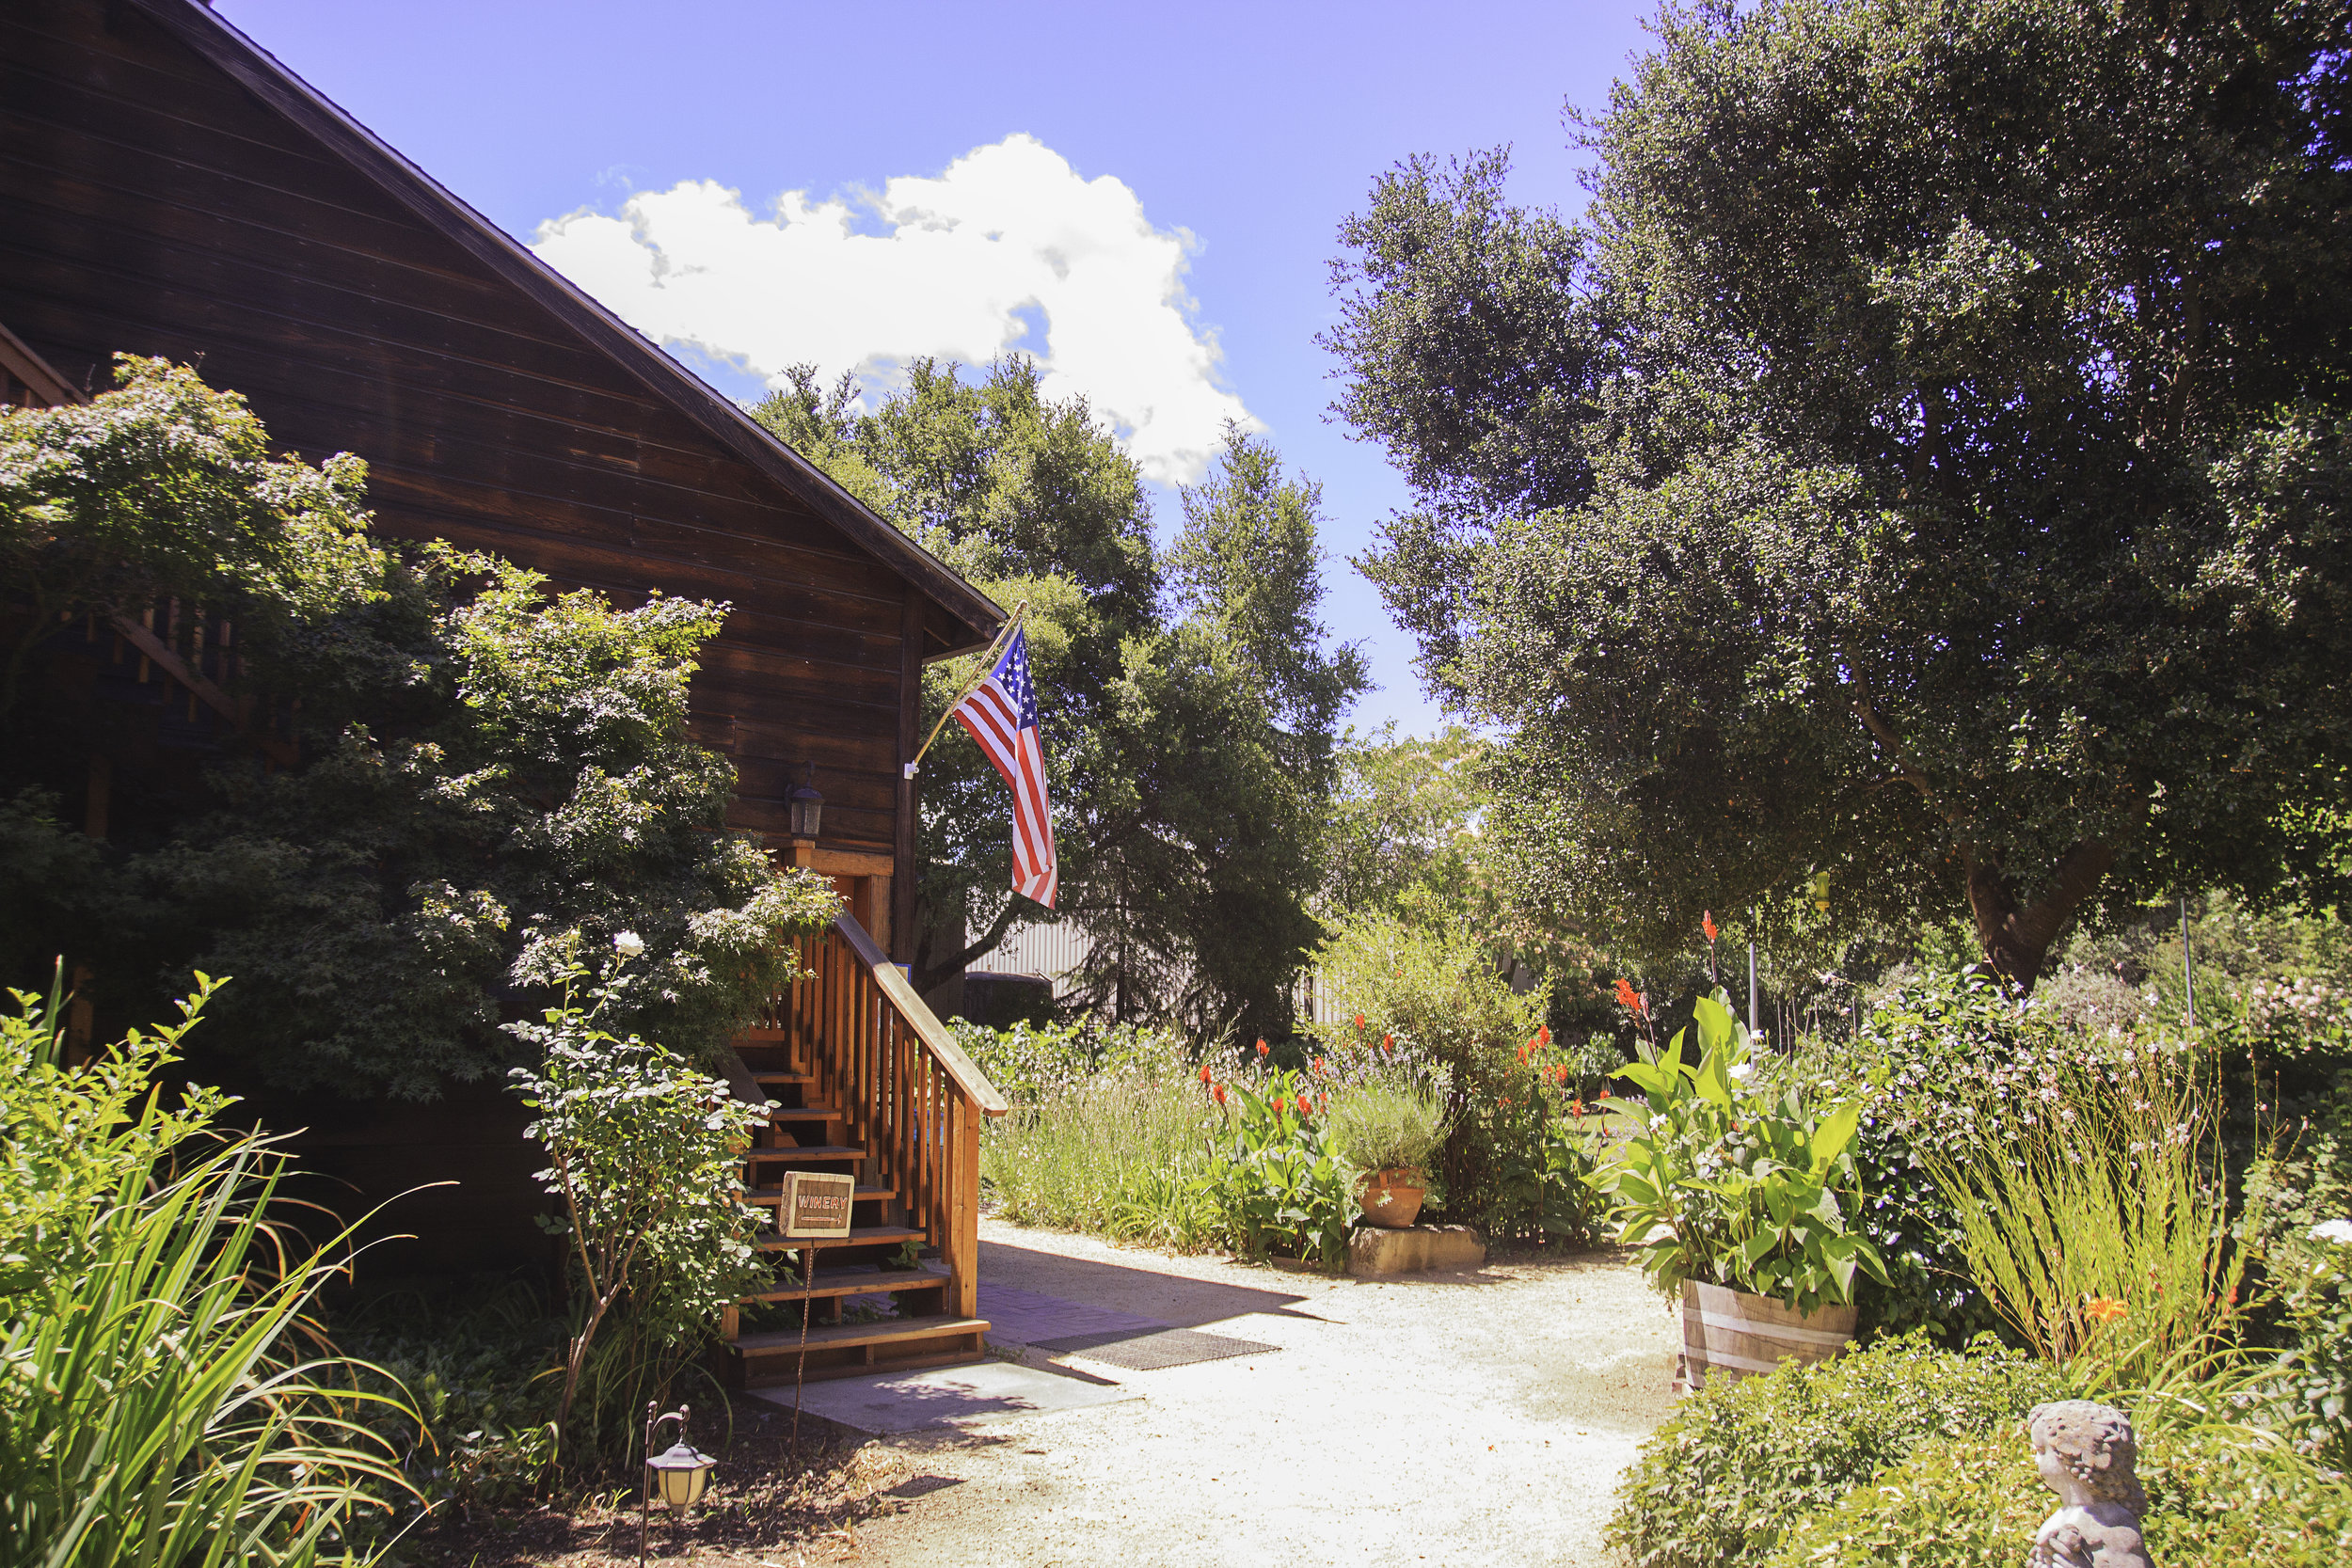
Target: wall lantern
x=677 y=1475
x=808 y=807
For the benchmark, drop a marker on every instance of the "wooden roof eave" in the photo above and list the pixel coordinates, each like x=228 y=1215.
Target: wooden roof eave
x=195 y=24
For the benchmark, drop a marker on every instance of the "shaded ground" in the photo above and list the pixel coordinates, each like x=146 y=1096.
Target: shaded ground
x=1465 y=1418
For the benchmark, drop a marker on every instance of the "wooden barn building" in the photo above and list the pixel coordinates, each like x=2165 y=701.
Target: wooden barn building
x=168 y=188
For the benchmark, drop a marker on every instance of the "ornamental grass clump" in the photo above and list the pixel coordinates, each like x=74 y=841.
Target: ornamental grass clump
x=2091 y=1203
x=165 y=1396
x=1394 y=1122
x=1111 y=1153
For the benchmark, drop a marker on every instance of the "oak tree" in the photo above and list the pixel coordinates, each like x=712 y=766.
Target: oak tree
x=1925 y=463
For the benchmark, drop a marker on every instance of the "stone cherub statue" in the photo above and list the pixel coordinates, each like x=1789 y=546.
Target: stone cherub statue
x=2087 y=1455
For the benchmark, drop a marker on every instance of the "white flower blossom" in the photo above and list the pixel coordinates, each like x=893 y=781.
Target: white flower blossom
x=2333 y=1230
x=629 y=944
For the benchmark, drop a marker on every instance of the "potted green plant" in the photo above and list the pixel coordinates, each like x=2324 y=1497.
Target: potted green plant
x=1385 y=1130
x=1741 y=1202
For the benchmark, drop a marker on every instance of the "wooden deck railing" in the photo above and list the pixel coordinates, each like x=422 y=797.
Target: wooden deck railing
x=910 y=1096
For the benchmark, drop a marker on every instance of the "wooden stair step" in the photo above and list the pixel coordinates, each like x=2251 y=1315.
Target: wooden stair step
x=762 y=1036
x=784 y=1078
x=889 y=1331
x=802 y=1113
x=776 y=1194
x=802 y=1151
x=853 y=1282
x=869 y=1235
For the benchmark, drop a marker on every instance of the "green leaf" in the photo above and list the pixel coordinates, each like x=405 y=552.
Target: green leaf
x=1834 y=1134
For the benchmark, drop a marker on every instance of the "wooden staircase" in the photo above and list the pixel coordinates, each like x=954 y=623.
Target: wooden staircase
x=858 y=1076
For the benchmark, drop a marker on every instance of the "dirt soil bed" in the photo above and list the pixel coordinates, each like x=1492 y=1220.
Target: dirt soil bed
x=1465 y=1418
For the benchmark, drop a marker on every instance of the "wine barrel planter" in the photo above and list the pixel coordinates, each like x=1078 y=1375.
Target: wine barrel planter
x=1730 y=1334
x=1391 y=1198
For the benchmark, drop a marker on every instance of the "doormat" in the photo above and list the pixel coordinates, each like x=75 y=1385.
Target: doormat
x=1150 y=1353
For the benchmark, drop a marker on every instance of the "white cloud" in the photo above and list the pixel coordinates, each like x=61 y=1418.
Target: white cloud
x=1008 y=228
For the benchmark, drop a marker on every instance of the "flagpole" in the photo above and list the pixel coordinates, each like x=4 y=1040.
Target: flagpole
x=988 y=662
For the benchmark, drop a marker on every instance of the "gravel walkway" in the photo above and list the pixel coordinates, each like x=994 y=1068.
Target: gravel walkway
x=1468 y=1418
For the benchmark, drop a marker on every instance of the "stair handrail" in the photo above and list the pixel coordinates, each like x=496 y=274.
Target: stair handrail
x=936 y=1037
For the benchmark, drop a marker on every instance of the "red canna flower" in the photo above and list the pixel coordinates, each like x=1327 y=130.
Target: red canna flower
x=1204 y=1072
x=1305 y=1109
x=1575 y=1107
x=1261 y=1048
x=1707 y=924
x=1359 y=1023
x=1387 y=1043
x=1626 y=997
x=1321 y=1067
x=1604 y=1094
x=1543 y=1036
x=1218 y=1090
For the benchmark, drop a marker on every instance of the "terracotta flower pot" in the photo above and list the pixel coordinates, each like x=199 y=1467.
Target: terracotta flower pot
x=1391 y=1198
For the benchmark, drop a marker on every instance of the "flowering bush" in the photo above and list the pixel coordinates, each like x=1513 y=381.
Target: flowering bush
x=1431 y=999
x=645 y=1154
x=2301 y=1017
x=2314 y=1394
x=1720 y=1182
x=1277 y=1182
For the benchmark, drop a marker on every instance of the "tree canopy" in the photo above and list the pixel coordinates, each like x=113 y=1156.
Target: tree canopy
x=1186 y=698
x=487 y=772
x=1924 y=465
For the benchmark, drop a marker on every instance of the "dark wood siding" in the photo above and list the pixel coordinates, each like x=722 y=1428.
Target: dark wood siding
x=149 y=203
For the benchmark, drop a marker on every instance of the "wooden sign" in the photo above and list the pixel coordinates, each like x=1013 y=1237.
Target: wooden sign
x=817 y=1204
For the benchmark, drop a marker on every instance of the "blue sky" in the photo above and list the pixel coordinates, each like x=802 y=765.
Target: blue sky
x=1253 y=129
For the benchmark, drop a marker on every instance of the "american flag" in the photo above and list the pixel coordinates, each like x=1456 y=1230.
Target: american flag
x=1001 y=714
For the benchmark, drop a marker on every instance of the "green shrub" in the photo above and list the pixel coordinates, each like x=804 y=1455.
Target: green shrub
x=1436 y=995
x=2311 y=1400
x=1976 y=1502
x=480 y=1362
x=1738 y=1464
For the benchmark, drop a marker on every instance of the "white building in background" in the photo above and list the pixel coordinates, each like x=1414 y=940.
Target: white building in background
x=1048 y=952
x=1052 y=950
